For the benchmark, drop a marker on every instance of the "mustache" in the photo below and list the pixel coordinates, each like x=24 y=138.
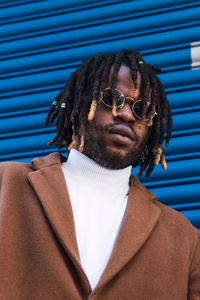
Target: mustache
x=111 y=126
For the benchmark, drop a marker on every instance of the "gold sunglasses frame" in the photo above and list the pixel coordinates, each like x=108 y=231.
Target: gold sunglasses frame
x=122 y=105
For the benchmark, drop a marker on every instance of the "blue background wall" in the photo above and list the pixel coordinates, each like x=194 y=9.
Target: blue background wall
x=42 y=42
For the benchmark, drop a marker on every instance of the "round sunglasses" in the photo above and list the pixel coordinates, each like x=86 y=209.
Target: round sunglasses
x=136 y=106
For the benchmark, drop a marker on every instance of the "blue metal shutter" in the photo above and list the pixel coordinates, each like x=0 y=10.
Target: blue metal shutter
x=42 y=42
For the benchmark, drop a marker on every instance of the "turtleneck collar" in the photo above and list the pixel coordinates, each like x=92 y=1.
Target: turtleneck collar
x=79 y=165
x=99 y=199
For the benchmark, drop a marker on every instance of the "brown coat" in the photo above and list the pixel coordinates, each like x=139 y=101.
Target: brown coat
x=156 y=255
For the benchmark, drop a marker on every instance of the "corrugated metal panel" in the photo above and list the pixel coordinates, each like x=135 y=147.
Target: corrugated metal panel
x=42 y=42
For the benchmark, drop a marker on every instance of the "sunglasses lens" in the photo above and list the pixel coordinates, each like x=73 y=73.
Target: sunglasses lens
x=119 y=98
x=108 y=99
x=137 y=109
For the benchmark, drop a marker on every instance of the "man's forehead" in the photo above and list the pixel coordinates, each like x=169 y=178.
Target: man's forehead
x=124 y=78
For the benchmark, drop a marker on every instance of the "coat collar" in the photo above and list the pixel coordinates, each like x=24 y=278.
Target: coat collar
x=139 y=221
x=47 y=179
x=140 y=218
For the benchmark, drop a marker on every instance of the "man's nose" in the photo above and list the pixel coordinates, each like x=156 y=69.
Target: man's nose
x=125 y=114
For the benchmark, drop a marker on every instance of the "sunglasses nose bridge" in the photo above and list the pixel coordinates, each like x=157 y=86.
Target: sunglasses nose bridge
x=126 y=109
x=125 y=105
x=126 y=113
x=131 y=102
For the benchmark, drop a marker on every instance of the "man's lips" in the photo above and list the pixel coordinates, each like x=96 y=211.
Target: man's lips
x=122 y=130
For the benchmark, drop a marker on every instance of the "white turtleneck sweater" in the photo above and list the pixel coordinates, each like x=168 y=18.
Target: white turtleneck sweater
x=99 y=199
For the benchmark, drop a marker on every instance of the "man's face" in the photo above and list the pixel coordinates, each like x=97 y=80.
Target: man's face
x=115 y=142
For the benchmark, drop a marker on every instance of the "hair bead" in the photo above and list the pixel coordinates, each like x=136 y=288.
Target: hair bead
x=63 y=105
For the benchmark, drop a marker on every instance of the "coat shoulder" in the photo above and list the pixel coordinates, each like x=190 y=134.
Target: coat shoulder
x=172 y=217
x=176 y=223
x=14 y=167
x=171 y=213
x=171 y=222
x=12 y=173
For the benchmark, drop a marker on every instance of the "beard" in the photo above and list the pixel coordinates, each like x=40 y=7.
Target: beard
x=96 y=148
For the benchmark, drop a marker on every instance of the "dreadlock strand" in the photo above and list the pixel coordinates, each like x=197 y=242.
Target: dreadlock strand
x=92 y=110
x=104 y=78
x=94 y=67
x=144 y=89
x=81 y=146
x=156 y=129
x=53 y=141
x=100 y=85
x=61 y=119
x=153 y=109
x=114 y=108
x=157 y=155
x=50 y=143
x=145 y=162
x=96 y=93
x=60 y=142
x=82 y=120
x=116 y=65
x=169 y=126
x=80 y=149
x=133 y=67
x=150 y=169
x=60 y=97
x=162 y=130
x=163 y=162
x=96 y=90
x=142 y=169
x=152 y=98
x=74 y=142
x=150 y=121
x=52 y=108
x=54 y=115
x=80 y=85
x=153 y=68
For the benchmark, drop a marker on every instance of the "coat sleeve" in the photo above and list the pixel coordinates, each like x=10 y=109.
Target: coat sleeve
x=194 y=276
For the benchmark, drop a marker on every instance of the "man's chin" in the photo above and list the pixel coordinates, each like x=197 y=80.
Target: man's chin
x=109 y=155
x=115 y=159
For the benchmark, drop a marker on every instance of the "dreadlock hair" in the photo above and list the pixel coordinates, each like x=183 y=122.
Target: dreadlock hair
x=76 y=104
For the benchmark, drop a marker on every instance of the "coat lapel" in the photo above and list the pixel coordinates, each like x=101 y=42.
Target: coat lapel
x=49 y=184
x=140 y=218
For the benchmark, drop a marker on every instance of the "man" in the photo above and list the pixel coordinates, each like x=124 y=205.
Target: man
x=84 y=228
